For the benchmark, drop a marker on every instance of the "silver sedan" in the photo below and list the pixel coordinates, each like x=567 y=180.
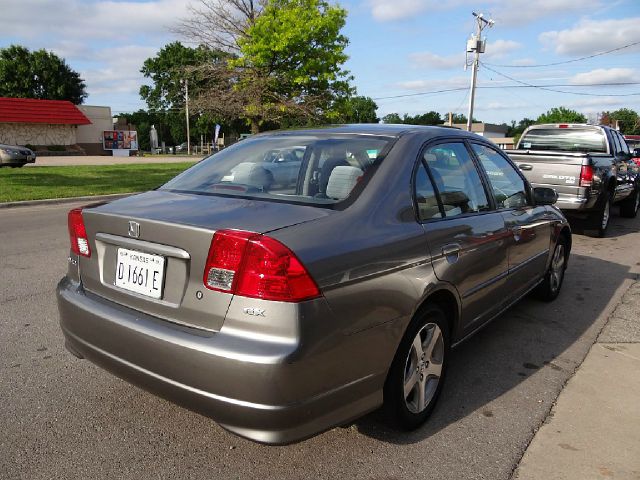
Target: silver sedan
x=15 y=156
x=283 y=311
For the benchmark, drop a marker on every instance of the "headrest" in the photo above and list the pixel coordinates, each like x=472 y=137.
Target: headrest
x=341 y=181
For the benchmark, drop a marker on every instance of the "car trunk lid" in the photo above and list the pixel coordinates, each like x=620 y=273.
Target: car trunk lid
x=170 y=233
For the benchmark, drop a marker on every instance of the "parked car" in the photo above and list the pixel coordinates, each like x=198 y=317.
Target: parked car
x=182 y=148
x=586 y=164
x=281 y=315
x=281 y=166
x=16 y=156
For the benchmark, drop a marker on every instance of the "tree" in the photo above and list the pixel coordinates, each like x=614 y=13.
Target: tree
x=429 y=118
x=168 y=71
x=39 y=74
x=561 y=115
x=627 y=120
x=392 y=118
x=287 y=64
x=357 y=110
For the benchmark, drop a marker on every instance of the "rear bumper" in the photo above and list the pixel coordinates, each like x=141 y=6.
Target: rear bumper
x=269 y=391
x=574 y=202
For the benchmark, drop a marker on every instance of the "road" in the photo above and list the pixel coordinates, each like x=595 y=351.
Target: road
x=65 y=418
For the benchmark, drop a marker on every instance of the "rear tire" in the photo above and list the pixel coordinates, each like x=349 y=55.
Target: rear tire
x=629 y=207
x=550 y=287
x=417 y=374
x=599 y=222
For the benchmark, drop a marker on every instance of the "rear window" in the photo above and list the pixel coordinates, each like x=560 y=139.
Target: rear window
x=585 y=140
x=308 y=169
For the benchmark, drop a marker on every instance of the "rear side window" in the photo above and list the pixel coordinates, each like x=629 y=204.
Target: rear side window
x=585 y=140
x=309 y=169
x=508 y=187
x=425 y=194
x=456 y=179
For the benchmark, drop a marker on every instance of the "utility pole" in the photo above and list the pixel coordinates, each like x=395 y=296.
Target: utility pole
x=476 y=46
x=186 y=112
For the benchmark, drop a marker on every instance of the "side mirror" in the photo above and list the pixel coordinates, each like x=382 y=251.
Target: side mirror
x=636 y=152
x=545 y=196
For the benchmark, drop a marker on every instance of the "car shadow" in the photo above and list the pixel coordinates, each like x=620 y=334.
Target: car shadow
x=619 y=226
x=521 y=342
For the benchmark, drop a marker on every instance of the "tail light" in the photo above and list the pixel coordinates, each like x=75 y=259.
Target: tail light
x=254 y=265
x=78 y=233
x=586 y=176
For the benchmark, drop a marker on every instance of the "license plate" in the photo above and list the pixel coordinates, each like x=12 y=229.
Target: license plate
x=140 y=272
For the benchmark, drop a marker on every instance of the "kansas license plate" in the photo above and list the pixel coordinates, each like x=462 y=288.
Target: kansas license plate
x=140 y=272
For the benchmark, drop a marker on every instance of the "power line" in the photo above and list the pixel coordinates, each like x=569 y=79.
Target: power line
x=525 y=85
x=566 y=61
x=546 y=87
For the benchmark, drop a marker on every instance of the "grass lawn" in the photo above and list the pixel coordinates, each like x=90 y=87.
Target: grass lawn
x=37 y=183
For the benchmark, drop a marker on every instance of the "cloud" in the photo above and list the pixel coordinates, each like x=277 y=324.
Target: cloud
x=505 y=12
x=119 y=70
x=501 y=48
x=519 y=12
x=384 y=10
x=434 y=84
x=438 y=62
x=605 y=75
x=87 y=20
x=591 y=36
x=495 y=49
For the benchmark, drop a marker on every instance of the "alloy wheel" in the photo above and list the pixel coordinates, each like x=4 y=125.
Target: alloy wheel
x=423 y=368
x=557 y=268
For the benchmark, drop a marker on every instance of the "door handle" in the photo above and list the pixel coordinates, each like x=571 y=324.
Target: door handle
x=451 y=252
x=517 y=232
x=525 y=166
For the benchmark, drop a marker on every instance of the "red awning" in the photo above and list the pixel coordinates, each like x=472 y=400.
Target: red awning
x=29 y=110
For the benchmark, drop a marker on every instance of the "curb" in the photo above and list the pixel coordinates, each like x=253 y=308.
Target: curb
x=58 y=201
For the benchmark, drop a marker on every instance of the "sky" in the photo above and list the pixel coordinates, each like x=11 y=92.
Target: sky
x=402 y=53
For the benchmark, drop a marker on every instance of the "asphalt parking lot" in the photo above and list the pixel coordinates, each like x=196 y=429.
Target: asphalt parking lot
x=65 y=418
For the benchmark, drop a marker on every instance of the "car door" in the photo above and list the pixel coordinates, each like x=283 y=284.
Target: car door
x=529 y=226
x=466 y=236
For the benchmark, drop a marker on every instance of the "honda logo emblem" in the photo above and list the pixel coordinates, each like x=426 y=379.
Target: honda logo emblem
x=134 y=229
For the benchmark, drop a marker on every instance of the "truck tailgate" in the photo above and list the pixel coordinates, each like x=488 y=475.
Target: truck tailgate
x=558 y=171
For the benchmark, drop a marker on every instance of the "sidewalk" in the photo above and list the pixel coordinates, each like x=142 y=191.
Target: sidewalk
x=593 y=431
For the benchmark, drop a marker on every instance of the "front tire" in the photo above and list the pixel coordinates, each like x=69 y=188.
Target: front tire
x=629 y=207
x=418 y=370
x=550 y=287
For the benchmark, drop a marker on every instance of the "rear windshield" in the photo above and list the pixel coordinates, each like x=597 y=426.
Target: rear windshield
x=307 y=169
x=585 y=140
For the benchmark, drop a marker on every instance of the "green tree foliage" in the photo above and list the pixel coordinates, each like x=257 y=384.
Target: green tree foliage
x=168 y=71
x=392 y=118
x=287 y=65
x=357 y=110
x=429 y=118
x=627 y=119
x=561 y=115
x=39 y=74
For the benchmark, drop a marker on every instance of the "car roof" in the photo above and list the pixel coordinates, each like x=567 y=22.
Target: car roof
x=382 y=129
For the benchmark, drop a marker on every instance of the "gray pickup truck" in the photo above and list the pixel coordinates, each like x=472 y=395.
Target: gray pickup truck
x=589 y=166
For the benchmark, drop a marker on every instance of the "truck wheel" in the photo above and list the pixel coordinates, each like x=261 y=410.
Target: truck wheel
x=600 y=219
x=418 y=370
x=629 y=207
